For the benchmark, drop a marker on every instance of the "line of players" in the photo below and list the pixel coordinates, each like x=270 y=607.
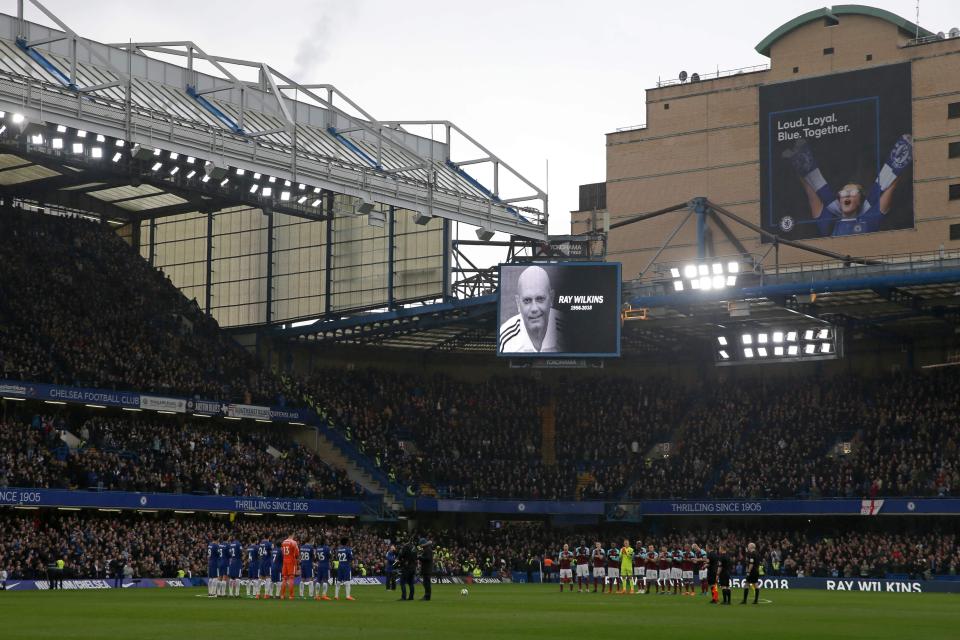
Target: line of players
x=625 y=570
x=271 y=568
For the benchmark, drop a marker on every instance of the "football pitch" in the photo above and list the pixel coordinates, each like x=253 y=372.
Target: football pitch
x=501 y=611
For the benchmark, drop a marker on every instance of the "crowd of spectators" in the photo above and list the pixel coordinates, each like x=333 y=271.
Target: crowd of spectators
x=153 y=454
x=160 y=545
x=79 y=306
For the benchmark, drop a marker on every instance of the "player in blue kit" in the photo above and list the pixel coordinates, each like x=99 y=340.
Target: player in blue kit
x=344 y=558
x=223 y=562
x=213 y=555
x=265 y=553
x=321 y=553
x=276 y=569
x=234 y=567
x=253 y=567
x=306 y=569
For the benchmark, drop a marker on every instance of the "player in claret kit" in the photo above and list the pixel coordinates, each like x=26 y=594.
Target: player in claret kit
x=701 y=563
x=599 y=558
x=686 y=565
x=321 y=554
x=565 y=562
x=663 y=571
x=306 y=570
x=613 y=567
x=582 y=554
x=291 y=557
x=639 y=569
x=676 y=572
x=650 y=562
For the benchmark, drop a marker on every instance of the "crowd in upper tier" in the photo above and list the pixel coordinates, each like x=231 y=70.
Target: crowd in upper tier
x=160 y=545
x=151 y=454
x=79 y=306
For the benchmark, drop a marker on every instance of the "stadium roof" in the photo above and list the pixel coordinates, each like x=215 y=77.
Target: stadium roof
x=831 y=13
x=276 y=126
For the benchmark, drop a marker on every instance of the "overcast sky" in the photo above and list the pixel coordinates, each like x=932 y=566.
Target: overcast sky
x=530 y=80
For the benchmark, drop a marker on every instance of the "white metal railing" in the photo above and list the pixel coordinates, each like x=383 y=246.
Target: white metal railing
x=693 y=78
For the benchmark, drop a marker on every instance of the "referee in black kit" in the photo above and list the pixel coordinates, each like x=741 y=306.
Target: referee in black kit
x=753 y=574
x=426 y=567
x=723 y=575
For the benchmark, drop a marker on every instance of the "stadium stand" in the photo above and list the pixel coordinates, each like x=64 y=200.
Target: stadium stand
x=150 y=454
x=79 y=306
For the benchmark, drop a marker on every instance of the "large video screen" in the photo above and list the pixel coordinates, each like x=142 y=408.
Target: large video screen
x=836 y=154
x=569 y=309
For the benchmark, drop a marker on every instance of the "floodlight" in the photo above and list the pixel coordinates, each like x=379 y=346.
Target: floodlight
x=778 y=336
x=422 y=219
x=61 y=128
x=746 y=338
x=100 y=138
x=191 y=160
x=214 y=172
x=37 y=138
x=240 y=172
x=778 y=351
x=224 y=182
x=3 y=128
x=272 y=179
x=254 y=187
x=485 y=234
x=205 y=179
x=762 y=338
x=809 y=348
x=731 y=281
x=748 y=352
x=140 y=152
x=694 y=284
x=762 y=352
x=157 y=152
x=286 y=183
x=823 y=334
x=174 y=170
x=717 y=268
x=256 y=176
x=674 y=272
x=724 y=355
x=174 y=155
x=117 y=156
x=733 y=267
x=192 y=173
x=156 y=166
x=118 y=143
x=690 y=271
x=301 y=187
x=316 y=203
x=718 y=282
x=19 y=119
x=678 y=285
x=57 y=143
x=705 y=283
x=791 y=336
x=703 y=269
x=77 y=147
x=301 y=199
x=267 y=192
x=808 y=334
x=722 y=340
x=96 y=153
x=81 y=133
x=285 y=196
x=793 y=350
x=825 y=347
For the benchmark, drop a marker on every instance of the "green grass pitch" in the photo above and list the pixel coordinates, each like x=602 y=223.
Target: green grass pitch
x=489 y=611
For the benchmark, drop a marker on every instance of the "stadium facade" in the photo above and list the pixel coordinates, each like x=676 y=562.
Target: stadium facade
x=858 y=78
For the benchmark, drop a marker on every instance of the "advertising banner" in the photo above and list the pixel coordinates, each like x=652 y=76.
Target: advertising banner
x=568 y=309
x=836 y=154
x=157 y=403
x=168 y=501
